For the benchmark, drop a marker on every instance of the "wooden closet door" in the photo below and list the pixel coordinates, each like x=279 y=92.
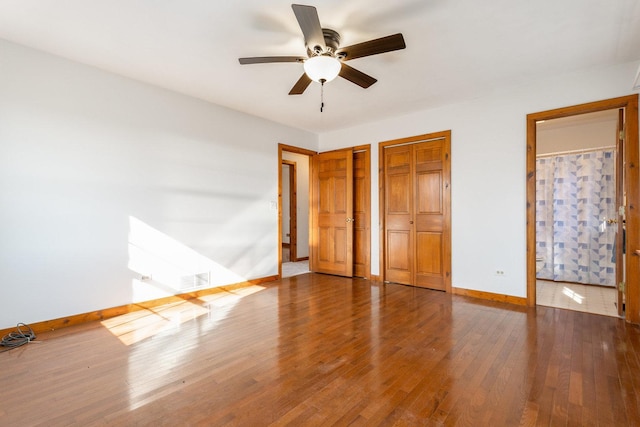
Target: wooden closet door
x=430 y=214
x=417 y=214
x=361 y=208
x=399 y=250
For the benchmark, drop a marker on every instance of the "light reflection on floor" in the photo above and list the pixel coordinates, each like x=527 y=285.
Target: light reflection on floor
x=578 y=297
x=139 y=325
x=151 y=374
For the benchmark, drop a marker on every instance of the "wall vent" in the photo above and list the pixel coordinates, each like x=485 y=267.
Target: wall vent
x=195 y=280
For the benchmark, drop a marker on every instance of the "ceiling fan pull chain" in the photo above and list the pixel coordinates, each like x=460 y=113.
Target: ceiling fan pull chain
x=322 y=94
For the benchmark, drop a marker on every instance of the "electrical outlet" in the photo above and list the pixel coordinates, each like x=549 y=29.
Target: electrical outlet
x=499 y=272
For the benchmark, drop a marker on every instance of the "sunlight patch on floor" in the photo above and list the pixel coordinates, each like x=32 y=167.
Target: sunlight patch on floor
x=136 y=326
x=573 y=295
x=151 y=375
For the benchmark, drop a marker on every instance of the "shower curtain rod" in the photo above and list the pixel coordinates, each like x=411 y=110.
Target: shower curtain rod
x=584 y=150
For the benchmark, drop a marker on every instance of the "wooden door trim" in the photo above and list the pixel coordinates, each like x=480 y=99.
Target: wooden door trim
x=290 y=149
x=293 y=211
x=620 y=186
x=445 y=135
x=632 y=182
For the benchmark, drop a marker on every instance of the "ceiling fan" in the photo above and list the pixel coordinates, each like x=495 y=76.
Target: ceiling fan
x=325 y=58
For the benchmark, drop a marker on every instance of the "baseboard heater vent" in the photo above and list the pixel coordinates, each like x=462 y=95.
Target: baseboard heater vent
x=196 y=280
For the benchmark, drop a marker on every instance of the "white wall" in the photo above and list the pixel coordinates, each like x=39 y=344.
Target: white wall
x=567 y=135
x=488 y=169
x=104 y=179
x=302 y=193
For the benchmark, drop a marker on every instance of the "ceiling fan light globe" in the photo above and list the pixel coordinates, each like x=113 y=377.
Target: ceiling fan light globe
x=322 y=67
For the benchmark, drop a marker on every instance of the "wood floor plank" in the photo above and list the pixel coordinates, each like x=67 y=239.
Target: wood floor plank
x=316 y=350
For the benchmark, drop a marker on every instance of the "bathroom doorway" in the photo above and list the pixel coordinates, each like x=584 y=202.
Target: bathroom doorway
x=577 y=212
x=626 y=267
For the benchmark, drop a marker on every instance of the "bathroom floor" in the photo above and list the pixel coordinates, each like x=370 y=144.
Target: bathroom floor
x=577 y=297
x=290 y=269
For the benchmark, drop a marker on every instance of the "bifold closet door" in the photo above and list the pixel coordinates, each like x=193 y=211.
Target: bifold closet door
x=429 y=213
x=399 y=236
x=417 y=245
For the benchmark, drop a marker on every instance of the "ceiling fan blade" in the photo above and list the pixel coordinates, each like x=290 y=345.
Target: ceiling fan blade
x=309 y=22
x=373 y=47
x=267 y=59
x=301 y=85
x=355 y=76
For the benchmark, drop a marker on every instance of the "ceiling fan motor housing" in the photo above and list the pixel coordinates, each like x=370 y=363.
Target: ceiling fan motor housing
x=331 y=39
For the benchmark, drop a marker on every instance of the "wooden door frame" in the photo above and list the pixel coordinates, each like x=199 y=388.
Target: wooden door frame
x=632 y=182
x=290 y=149
x=293 y=211
x=620 y=187
x=446 y=135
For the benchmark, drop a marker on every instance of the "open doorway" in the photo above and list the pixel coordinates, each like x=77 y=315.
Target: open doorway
x=289 y=211
x=577 y=212
x=627 y=272
x=293 y=208
x=305 y=164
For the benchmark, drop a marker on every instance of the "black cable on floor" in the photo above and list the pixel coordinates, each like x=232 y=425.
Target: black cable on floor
x=16 y=339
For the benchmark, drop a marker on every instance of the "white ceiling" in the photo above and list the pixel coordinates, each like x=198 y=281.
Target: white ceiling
x=456 y=49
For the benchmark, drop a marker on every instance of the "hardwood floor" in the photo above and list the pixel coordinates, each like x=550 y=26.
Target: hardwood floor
x=323 y=350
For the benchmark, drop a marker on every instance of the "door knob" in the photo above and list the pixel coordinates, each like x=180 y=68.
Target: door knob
x=351 y=220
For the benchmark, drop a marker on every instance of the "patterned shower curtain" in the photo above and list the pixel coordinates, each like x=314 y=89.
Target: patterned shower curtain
x=575 y=195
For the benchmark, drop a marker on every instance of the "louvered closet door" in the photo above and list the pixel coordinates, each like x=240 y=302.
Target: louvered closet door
x=417 y=238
